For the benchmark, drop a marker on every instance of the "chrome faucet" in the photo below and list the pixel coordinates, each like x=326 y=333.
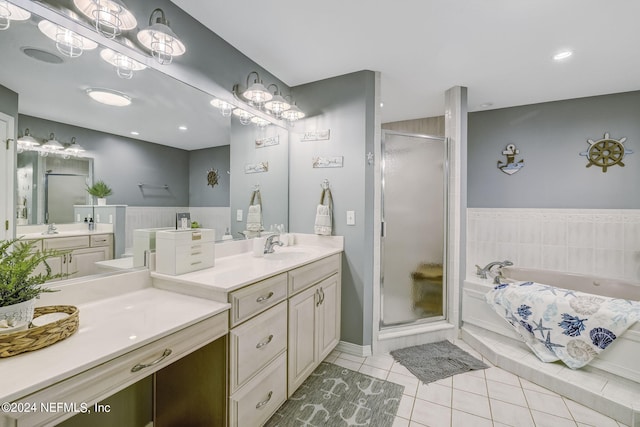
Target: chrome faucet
x=270 y=243
x=482 y=272
x=51 y=229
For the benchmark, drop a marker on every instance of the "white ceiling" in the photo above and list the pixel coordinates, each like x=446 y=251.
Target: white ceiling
x=501 y=50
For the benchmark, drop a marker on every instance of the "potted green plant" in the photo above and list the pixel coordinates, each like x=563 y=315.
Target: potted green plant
x=100 y=190
x=23 y=272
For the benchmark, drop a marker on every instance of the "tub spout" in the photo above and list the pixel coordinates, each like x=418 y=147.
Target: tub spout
x=482 y=272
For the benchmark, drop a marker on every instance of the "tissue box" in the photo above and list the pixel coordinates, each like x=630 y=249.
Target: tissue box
x=183 y=251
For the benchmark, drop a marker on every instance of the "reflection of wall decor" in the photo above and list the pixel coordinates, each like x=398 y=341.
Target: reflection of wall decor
x=328 y=162
x=256 y=167
x=316 y=135
x=511 y=166
x=213 y=177
x=606 y=152
x=268 y=142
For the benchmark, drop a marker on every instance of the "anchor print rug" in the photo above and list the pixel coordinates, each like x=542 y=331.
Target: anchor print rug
x=335 y=396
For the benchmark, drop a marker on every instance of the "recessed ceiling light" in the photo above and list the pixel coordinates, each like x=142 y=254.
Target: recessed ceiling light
x=133 y=132
x=109 y=97
x=381 y=104
x=562 y=55
x=486 y=105
x=182 y=127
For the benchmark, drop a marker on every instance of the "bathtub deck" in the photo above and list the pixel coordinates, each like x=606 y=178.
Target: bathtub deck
x=613 y=396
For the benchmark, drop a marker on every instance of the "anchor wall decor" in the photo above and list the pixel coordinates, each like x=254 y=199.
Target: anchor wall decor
x=511 y=166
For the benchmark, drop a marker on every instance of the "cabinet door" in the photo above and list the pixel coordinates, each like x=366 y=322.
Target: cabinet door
x=81 y=262
x=57 y=265
x=328 y=317
x=302 y=337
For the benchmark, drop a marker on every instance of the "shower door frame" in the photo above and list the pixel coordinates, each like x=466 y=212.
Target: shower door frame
x=445 y=280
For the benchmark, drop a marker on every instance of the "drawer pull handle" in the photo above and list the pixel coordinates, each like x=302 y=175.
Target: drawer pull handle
x=196 y=253
x=196 y=263
x=317 y=297
x=264 y=402
x=70 y=257
x=141 y=366
x=264 y=297
x=265 y=342
x=321 y=296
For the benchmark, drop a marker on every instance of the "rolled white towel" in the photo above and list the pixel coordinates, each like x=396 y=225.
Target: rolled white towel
x=323 y=220
x=254 y=218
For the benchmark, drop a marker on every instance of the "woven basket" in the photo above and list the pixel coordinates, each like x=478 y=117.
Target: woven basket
x=41 y=336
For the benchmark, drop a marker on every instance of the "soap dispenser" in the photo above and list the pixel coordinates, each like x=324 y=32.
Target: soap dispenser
x=227 y=235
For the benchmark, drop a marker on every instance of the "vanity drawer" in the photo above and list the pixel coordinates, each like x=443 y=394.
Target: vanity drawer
x=253 y=299
x=255 y=343
x=75 y=242
x=192 y=259
x=100 y=240
x=305 y=276
x=99 y=382
x=257 y=401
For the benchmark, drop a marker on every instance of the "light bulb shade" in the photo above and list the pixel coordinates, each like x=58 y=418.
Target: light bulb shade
x=53 y=144
x=27 y=141
x=260 y=122
x=162 y=42
x=257 y=93
x=68 y=43
x=10 y=12
x=292 y=114
x=224 y=107
x=74 y=149
x=277 y=105
x=244 y=116
x=111 y=17
x=125 y=66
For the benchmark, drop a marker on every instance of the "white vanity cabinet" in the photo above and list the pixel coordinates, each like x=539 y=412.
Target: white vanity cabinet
x=82 y=252
x=314 y=317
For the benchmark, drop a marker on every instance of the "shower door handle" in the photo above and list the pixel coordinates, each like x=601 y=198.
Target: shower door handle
x=383 y=228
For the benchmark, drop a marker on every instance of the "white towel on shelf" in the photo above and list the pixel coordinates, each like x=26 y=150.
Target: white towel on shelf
x=323 y=220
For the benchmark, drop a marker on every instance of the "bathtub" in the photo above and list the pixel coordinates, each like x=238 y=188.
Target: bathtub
x=617 y=367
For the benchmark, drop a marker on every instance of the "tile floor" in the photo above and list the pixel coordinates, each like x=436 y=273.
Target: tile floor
x=491 y=397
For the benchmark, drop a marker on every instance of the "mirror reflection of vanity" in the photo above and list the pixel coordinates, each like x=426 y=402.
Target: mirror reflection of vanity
x=156 y=172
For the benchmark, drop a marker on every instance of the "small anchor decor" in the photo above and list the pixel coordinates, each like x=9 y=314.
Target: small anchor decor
x=606 y=152
x=213 y=177
x=511 y=166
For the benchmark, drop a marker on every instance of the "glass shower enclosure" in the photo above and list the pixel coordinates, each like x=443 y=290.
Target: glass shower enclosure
x=413 y=253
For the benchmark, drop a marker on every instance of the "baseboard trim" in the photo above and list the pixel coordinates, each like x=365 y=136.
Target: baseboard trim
x=354 y=349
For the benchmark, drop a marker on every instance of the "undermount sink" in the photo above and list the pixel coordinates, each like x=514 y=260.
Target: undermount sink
x=284 y=256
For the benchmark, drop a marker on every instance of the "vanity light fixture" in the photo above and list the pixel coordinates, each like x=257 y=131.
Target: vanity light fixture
x=51 y=146
x=74 y=148
x=224 y=107
x=111 y=17
x=260 y=122
x=293 y=114
x=68 y=43
x=277 y=105
x=109 y=97
x=10 y=12
x=125 y=66
x=256 y=94
x=163 y=43
x=244 y=116
x=27 y=142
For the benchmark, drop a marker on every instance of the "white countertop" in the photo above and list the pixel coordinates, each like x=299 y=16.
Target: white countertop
x=109 y=327
x=235 y=271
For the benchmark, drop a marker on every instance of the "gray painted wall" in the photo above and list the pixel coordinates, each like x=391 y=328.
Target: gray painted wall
x=550 y=137
x=200 y=161
x=274 y=185
x=123 y=163
x=344 y=105
x=9 y=103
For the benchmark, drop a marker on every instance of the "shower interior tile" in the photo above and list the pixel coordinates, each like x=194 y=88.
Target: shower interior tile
x=554 y=232
x=529 y=256
x=580 y=260
x=609 y=263
x=609 y=235
x=580 y=233
x=554 y=258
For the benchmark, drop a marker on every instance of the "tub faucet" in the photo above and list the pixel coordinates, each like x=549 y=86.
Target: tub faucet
x=270 y=243
x=482 y=272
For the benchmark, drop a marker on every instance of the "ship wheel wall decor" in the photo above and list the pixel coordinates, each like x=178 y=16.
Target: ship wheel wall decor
x=606 y=152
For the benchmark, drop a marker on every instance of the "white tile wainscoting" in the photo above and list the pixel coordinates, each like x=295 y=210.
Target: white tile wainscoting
x=601 y=242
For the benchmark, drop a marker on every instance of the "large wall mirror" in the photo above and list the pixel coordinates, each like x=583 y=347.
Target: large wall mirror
x=156 y=153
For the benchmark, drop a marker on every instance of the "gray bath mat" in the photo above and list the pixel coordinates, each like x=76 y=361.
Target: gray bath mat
x=432 y=362
x=335 y=396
